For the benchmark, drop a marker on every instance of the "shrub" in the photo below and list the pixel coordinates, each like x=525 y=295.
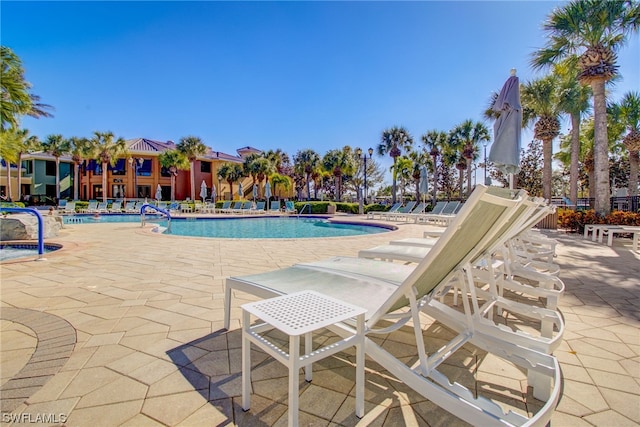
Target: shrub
x=575 y=220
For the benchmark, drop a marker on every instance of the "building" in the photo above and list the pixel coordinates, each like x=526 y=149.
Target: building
x=133 y=177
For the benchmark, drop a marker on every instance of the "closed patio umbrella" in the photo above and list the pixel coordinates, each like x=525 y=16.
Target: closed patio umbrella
x=214 y=193
x=159 y=193
x=507 y=130
x=255 y=192
x=240 y=192
x=267 y=193
x=424 y=182
x=203 y=190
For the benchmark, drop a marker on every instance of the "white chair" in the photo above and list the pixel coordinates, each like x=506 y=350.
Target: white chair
x=482 y=224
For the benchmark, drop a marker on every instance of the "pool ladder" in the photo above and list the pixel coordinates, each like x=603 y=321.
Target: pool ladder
x=302 y=210
x=164 y=212
x=38 y=216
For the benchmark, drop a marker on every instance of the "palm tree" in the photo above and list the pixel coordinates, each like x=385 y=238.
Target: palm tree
x=277 y=179
x=192 y=147
x=56 y=145
x=468 y=135
x=629 y=115
x=593 y=31
x=392 y=142
x=339 y=162
x=404 y=167
x=15 y=89
x=10 y=143
x=264 y=168
x=28 y=144
x=304 y=163
x=230 y=172
x=173 y=160
x=107 y=150
x=573 y=99
x=434 y=141
x=279 y=158
x=80 y=149
x=16 y=99
x=541 y=105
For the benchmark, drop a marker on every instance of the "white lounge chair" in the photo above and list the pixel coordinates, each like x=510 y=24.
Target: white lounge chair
x=116 y=206
x=400 y=213
x=478 y=227
x=373 y=214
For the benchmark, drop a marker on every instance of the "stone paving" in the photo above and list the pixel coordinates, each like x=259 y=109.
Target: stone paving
x=123 y=327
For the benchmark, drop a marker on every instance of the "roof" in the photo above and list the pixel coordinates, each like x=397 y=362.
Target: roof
x=143 y=145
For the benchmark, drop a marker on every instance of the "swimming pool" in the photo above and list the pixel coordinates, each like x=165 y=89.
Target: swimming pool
x=23 y=250
x=269 y=228
x=242 y=228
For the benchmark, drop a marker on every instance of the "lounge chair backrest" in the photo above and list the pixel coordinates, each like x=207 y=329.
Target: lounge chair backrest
x=70 y=207
x=247 y=205
x=437 y=209
x=259 y=206
x=275 y=206
x=407 y=208
x=419 y=208
x=226 y=205
x=395 y=207
x=450 y=208
x=289 y=206
x=237 y=206
x=474 y=230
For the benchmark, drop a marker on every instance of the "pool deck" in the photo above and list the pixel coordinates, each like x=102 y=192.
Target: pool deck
x=123 y=327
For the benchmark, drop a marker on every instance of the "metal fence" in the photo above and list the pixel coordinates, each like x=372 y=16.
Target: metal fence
x=626 y=204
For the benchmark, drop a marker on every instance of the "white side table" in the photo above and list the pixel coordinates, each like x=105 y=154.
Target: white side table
x=298 y=314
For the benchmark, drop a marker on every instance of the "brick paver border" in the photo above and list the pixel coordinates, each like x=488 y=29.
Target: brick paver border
x=56 y=340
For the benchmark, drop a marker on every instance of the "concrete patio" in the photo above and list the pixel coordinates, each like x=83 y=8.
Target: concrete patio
x=123 y=327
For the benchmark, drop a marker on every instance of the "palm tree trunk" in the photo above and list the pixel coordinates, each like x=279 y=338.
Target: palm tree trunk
x=193 y=181
x=547 y=153
x=634 y=157
x=19 y=176
x=104 y=182
x=435 y=180
x=601 y=148
x=575 y=154
x=9 y=192
x=393 y=184
x=468 y=177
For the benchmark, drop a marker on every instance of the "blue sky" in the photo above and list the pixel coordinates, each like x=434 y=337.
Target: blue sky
x=289 y=75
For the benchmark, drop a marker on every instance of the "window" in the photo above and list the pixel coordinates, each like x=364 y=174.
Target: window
x=205 y=167
x=27 y=167
x=50 y=168
x=165 y=172
x=120 y=167
x=144 y=169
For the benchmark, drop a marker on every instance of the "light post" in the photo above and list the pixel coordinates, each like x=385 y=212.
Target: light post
x=134 y=163
x=364 y=157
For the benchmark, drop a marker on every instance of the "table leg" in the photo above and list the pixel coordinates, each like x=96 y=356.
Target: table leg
x=246 y=362
x=294 y=359
x=360 y=367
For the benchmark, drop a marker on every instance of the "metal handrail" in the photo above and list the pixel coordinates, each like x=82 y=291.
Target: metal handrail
x=146 y=206
x=40 y=225
x=302 y=210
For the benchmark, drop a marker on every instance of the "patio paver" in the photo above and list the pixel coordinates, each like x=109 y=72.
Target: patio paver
x=123 y=327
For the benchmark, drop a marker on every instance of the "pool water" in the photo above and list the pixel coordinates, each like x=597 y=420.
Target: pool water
x=23 y=250
x=239 y=228
x=268 y=228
